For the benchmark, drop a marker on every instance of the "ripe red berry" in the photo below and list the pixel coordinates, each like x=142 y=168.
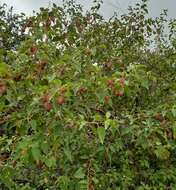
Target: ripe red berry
x=106 y=99
x=48 y=23
x=33 y=49
x=61 y=100
x=122 y=81
x=82 y=90
x=109 y=64
x=119 y=93
x=3 y=89
x=17 y=77
x=23 y=29
x=158 y=117
x=45 y=98
x=42 y=64
x=87 y=51
x=29 y=23
x=110 y=83
x=48 y=106
x=63 y=90
x=52 y=18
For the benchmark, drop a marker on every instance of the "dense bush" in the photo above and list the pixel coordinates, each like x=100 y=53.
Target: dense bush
x=87 y=103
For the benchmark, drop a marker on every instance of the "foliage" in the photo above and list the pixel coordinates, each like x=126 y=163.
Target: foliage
x=10 y=30
x=88 y=103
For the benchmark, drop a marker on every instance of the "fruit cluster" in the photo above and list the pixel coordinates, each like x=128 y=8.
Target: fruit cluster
x=46 y=101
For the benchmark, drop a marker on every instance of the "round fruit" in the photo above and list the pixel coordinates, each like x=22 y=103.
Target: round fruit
x=45 y=98
x=17 y=77
x=33 y=49
x=110 y=83
x=158 y=117
x=87 y=51
x=52 y=18
x=29 y=23
x=23 y=29
x=48 y=106
x=61 y=100
x=82 y=90
x=119 y=93
x=109 y=64
x=106 y=99
x=48 y=23
x=63 y=90
x=122 y=81
x=42 y=64
x=3 y=89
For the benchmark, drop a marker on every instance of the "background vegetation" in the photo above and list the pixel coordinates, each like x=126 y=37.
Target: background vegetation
x=87 y=103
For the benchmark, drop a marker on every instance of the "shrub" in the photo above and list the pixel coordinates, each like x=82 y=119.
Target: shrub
x=88 y=103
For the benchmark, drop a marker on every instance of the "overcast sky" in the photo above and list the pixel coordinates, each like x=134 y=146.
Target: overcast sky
x=109 y=6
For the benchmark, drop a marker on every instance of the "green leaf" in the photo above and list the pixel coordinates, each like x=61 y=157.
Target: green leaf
x=44 y=146
x=101 y=134
x=174 y=130
x=174 y=111
x=162 y=153
x=145 y=83
x=50 y=162
x=82 y=124
x=63 y=182
x=101 y=95
x=107 y=123
x=4 y=69
x=6 y=176
x=108 y=115
x=68 y=154
x=97 y=117
x=127 y=130
x=79 y=173
x=24 y=143
x=34 y=124
x=83 y=184
x=36 y=153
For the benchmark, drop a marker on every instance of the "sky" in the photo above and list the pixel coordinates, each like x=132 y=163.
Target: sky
x=109 y=6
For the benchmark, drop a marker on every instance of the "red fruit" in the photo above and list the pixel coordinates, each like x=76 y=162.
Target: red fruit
x=65 y=23
x=42 y=64
x=106 y=99
x=119 y=93
x=122 y=81
x=45 y=98
x=48 y=23
x=158 y=117
x=29 y=23
x=87 y=51
x=23 y=29
x=3 y=89
x=33 y=49
x=17 y=77
x=63 y=90
x=109 y=64
x=61 y=100
x=48 y=106
x=110 y=83
x=52 y=18
x=82 y=90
